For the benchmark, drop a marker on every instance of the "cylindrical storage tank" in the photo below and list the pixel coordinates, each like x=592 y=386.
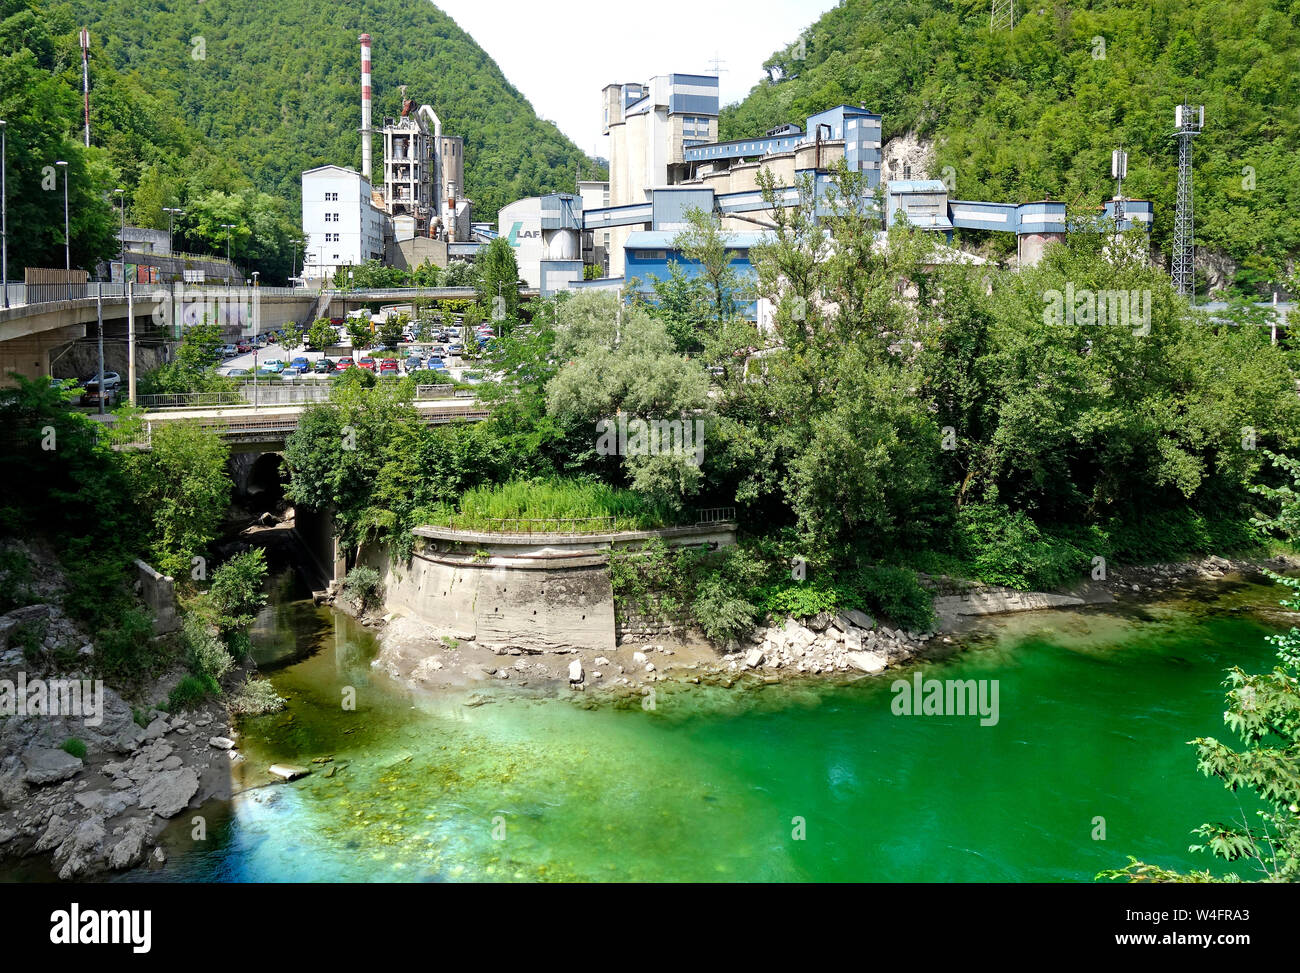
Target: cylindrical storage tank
x=562 y=245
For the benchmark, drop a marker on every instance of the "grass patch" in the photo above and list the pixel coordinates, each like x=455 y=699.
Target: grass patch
x=579 y=506
x=75 y=747
x=191 y=691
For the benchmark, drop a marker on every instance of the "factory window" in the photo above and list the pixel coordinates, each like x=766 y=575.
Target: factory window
x=649 y=254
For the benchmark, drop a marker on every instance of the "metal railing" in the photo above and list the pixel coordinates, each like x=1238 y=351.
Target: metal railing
x=704 y=516
x=273 y=393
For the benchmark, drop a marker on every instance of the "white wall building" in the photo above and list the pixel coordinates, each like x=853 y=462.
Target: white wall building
x=342 y=224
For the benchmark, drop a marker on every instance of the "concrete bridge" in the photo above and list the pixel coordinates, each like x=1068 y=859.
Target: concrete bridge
x=265 y=430
x=32 y=332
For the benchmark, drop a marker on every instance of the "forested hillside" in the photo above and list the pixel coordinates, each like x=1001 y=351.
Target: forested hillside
x=277 y=86
x=1037 y=110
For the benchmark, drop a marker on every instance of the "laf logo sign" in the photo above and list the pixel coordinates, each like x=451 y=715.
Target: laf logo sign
x=517 y=233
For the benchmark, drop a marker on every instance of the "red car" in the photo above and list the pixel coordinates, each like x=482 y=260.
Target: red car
x=343 y=364
x=244 y=346
x=388 y=365
x=367 y=363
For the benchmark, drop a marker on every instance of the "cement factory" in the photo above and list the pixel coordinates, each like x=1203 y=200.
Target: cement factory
x=665 y=160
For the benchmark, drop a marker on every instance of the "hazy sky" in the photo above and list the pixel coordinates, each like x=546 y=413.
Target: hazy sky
x=560 y=53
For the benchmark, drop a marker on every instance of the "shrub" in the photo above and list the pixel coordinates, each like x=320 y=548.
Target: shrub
x=75 y=747
x=126 y=648
x=255 y=697
x=190 y=692
x=1009 y=549
x=204 y=651
x=893 y=593
x=30 y=637
x=362 y=586
x=722 y=611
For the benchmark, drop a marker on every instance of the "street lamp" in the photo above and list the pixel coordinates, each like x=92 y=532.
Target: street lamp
x=256 y=274
x=172 y=212
x=4 y=214
x=67 y=237
x=228 y=227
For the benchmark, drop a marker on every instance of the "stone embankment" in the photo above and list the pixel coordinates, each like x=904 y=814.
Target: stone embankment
x=92 y=789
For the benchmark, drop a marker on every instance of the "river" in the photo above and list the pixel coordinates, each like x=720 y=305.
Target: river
x=779 y=783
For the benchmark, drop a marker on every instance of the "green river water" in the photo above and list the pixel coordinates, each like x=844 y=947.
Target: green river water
x=1095 y=706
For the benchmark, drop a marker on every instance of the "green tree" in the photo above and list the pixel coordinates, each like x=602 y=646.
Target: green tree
x=182 y=484
x=321 y=334
x=498 y=284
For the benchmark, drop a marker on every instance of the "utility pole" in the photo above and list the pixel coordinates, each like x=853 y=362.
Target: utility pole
x=4 y=213
x=130 y=340
x=172 y=212
x=1188 y=122
x=1118 y=170
x=121 y=233
x=67 y=238
x=99 y=314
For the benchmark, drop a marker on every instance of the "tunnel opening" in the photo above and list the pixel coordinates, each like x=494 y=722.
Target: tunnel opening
x=264 y=488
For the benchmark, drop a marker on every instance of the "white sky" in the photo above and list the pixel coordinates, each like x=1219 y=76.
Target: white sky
x=560 y=53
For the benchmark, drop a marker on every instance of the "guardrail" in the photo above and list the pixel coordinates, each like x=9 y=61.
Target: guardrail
x=704 y=516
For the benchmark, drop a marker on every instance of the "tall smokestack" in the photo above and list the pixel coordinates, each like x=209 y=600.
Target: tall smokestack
x=365 y=106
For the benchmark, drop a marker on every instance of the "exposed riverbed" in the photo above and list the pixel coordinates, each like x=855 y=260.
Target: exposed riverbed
x=1095 y=708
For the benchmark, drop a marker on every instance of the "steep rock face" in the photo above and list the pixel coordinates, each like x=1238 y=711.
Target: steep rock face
x=908 y=156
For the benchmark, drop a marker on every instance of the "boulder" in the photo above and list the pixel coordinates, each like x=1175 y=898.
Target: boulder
x=129 y=850
x=49 y=766
x=866 y=661
x=167 y=793
x=575 y=670
x=224 y=743
x=819 y=622
x=156 y=729
x=754 y=658
x=856 y=618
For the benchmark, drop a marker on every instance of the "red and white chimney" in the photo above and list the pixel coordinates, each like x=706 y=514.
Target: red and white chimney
x=366 y=146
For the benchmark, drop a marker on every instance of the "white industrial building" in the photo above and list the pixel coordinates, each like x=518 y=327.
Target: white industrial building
x=546 y=232
x=340 y=220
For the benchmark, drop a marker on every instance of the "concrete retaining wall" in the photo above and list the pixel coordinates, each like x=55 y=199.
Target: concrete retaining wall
x=530 y=592
x=158 y=592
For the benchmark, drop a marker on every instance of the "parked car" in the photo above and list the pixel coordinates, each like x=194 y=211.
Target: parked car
x=273 y=365
x=90 y=394
x=435 y=361
x=244 y=346
x=300 y=365
x=337 y=322
x=413 y=363
x=455 y=349
x=472 y=378
x=227 y=351
x=388 y=366
x=238 y=371
x=343 y=364
x=367 y=363
x=322 y=365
